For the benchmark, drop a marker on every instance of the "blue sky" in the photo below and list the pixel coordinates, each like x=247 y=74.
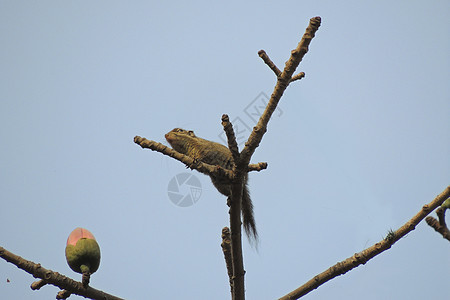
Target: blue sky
x=361 y=143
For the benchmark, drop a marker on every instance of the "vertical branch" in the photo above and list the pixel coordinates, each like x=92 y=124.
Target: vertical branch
x=231 y=137
x=237 y=280
x=242 y=159
x=226 y=249
x=236 y=239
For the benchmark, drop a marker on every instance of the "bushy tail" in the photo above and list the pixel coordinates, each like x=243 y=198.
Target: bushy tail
x=249 y=219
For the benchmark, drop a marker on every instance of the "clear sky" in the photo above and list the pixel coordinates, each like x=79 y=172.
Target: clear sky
x=358 y=146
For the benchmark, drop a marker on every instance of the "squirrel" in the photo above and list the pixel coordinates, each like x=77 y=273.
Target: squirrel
x=212 y=153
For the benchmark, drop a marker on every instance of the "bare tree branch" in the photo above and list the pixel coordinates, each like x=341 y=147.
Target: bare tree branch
x=283 y=81
x=275 y=69
x=231 y=137
x=226 y=249
x=241 y=160
x=54 y=278
x=440 y=226
x=236 y=237
x=367 y=254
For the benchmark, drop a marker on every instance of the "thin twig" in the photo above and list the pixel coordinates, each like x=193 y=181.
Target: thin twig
x=297 y=77
x=367 y=254
x=269 y=62
x=55 y=278
x=257 y=167
x=275 y=69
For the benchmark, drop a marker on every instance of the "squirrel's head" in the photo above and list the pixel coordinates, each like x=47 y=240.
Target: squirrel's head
x=179 y=139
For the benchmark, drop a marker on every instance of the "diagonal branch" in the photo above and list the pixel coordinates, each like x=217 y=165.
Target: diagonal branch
x=369 y=253
x=282 y=83
x=54 y=278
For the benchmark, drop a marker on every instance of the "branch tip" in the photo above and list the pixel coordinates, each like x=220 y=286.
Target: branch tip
x=38 y=284
x=269 y=62
x=225 y=118
x=297 y=77
x=64 y=294
x=316 y=21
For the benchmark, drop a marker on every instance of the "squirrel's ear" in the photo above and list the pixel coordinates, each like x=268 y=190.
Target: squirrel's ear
x=191 y=133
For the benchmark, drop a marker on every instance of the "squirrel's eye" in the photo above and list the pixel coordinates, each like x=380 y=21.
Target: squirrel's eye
x=180 y=130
